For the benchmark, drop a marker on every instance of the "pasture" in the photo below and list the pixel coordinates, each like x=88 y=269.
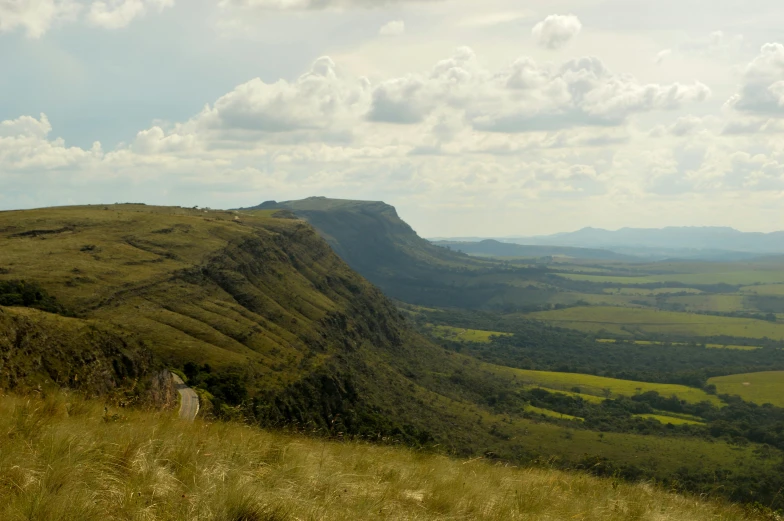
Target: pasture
x=668 y=419
x=761 y=388
x=628 y=321
x=651 y=342
x=463 y=335
x=599 y=386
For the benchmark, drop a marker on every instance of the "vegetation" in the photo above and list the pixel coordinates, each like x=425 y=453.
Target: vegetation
x=274 y=330
x=622 y=321
x=65 y=459
x=761 y=388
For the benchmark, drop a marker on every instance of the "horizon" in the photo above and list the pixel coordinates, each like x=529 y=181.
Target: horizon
x=411 y=223
x=470 y=119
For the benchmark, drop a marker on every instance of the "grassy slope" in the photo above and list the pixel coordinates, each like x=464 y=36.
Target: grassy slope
x=39 y=349
x=765 y=387
x=61 y=462
x=614 y=319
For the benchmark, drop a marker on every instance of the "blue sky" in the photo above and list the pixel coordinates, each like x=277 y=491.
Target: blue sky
x=501 y=117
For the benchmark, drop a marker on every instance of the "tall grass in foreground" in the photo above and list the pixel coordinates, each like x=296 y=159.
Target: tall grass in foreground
x=63 y=459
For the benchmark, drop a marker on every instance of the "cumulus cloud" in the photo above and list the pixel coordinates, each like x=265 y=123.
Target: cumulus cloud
x=526 y=96
x=555 y=31
x=528 y=131
x=36 y=17
x=762 y=87
x=25 y=146
x=393 y=28
x=321 y=104
x=115 y=14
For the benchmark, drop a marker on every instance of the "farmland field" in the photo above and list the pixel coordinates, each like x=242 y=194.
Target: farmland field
x=709 y=346
x=625 y=321
x=766 y=387
x=669 y=419
x=463 y=335
x=740 y=277
x=764 y=289
x=601 y=386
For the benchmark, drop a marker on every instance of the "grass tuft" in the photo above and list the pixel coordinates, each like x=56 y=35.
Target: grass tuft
x=67 y=467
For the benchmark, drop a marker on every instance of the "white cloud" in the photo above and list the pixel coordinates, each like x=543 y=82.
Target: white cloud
x=662 y=55
x=36 y=17
x=717 y=44
x=115 y=14
x=393 y=28
x=526 y=96
x=762 y=88
x=492 y=19
x=26 y=126
x=319 y=105
x=555 y=31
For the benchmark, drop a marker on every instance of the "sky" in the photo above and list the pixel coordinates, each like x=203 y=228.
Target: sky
x=492 y=118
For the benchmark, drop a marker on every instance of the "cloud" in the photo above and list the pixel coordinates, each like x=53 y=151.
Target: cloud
x=762 y=86
x=717 y=43
x=36 y=17
x=526 y=96
x=393 y=28
x=493 y=19
x=115 y=14
x=683 y=126
x=303 y=5
x=320 y=105
x=555 y=31
x=661 y=56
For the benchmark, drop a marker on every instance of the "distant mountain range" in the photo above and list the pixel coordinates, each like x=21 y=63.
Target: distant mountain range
x=494 y=248
x=710 y=243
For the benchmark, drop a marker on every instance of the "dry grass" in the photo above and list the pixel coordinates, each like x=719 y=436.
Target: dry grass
x=60 y=460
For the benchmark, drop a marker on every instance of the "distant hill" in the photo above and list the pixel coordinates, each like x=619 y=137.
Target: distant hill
x=688 y=242
x=494 y=248
x=370 y=236
x=375 y=241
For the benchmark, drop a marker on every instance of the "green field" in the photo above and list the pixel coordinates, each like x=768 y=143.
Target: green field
x=721 y=303
x=600 y=386
x=710 y=346
x=642 y=292
x=669 y=419
x=463 y=335
x=766 y=387
x=764 y=289
x=740 y=277
x=626 y=321
x=551 y=414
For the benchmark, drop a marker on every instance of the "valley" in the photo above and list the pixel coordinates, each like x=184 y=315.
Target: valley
x=613 y=368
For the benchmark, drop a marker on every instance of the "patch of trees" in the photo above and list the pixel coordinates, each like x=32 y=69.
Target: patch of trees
x=539 y=346
x=28 y=294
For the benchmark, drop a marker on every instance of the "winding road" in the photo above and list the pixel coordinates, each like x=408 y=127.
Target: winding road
x=189 y=400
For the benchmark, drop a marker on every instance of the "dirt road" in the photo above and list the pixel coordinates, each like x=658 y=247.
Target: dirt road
x=189 y=401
